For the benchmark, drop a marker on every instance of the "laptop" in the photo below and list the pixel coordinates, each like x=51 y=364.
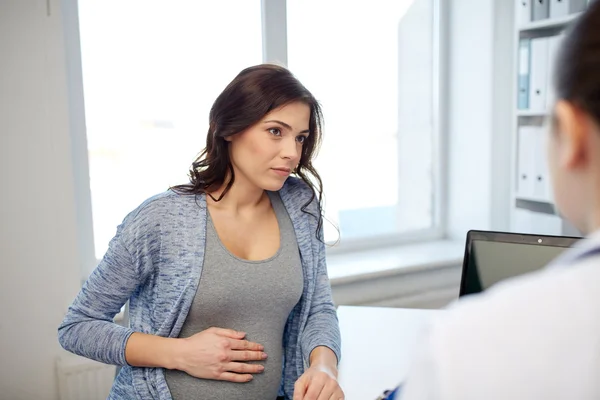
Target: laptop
x=491 y=257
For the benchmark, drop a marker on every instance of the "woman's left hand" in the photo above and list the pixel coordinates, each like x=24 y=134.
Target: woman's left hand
x=318 y=382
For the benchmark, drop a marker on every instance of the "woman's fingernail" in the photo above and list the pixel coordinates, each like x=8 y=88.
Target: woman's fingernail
x=261 y=368
x=264 y=355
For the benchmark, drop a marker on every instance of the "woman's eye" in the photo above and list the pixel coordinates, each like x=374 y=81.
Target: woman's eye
x=275 y=131
x=301 y=139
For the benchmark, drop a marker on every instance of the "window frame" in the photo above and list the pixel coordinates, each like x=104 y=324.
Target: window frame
x=275 y=23
x=274 y=39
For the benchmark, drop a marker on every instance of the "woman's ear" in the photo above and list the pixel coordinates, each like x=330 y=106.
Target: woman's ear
x=572 y=135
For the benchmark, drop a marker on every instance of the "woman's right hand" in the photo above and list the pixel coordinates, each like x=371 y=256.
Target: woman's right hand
x=220 y=354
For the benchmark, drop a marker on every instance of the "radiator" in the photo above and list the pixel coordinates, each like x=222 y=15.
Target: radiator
x=83 y=379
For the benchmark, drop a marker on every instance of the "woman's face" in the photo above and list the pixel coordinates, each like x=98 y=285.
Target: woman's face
x=265 y=154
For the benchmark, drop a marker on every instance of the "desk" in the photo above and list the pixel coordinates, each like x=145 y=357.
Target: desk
x=377 y=347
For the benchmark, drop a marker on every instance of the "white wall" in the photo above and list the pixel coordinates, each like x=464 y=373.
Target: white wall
x=38 y=245
x=480 y=63
x=40 y=263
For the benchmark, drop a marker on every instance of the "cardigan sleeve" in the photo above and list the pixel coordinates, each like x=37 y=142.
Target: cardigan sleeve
x=322 y=327
x=88 y=329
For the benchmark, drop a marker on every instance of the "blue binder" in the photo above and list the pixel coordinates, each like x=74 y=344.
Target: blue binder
x=524 y=73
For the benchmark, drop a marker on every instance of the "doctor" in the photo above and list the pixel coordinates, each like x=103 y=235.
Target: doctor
x=536 y=336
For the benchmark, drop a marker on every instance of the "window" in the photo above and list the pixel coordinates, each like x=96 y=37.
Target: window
x=372 y=65
x=151 y=71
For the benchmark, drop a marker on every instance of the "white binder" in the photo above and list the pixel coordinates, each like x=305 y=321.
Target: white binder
x=542 y=188
x=525 y=221
x=546 y=224
x=526 y=163
x=538 y=74
x=554 y=43
x=540 y=9
x=561 y=8
x=523 y=9
x=522 y=221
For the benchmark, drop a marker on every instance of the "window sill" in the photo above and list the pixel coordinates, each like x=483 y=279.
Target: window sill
x=405 y=259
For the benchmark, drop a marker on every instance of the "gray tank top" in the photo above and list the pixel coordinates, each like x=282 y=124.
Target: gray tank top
x=255 y=297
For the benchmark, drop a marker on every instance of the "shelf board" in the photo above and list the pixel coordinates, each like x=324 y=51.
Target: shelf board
x=534 y=199
x=549 y=23
x=535 y=204
x=529 y=113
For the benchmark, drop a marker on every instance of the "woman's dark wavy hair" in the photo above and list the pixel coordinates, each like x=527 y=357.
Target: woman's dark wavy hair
x=245 y=101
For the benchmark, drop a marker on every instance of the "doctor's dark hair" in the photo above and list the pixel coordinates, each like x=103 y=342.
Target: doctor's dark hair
x=252 y=94
x=577 y=76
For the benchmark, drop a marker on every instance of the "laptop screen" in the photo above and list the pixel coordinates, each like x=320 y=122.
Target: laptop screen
x=491 y=257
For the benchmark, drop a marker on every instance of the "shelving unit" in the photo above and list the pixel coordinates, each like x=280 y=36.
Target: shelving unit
x=533 y=211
